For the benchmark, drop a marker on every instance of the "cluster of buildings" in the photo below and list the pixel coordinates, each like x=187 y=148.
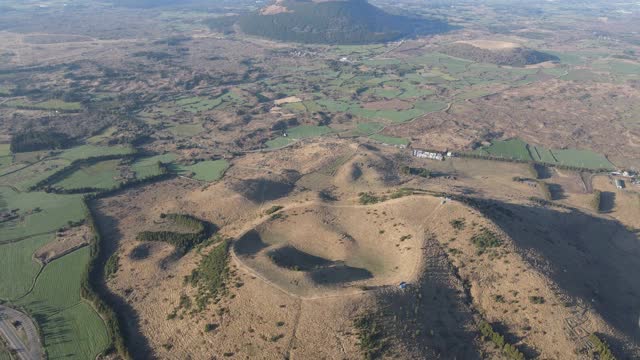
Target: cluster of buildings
x=633 y=177
x=433 y=155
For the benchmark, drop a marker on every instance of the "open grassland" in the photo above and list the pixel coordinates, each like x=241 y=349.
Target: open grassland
x=102 y=175
x=18 y=267
x=186 y=129
x=103 y=136
x=71 y=328
x=88 y=151
x=307 y=131
x=279 y=142
x=516 y=149
x=4 y=149
x=148 y=166
x=210 y=170
x=58 y=105
x=38 y=212
x=24 y=175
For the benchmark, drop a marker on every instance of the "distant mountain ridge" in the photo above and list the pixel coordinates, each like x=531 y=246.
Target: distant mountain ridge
x=331 y=22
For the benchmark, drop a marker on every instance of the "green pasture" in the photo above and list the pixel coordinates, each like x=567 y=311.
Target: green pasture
x=5 y=149
x=517 y=149
x=196 y=104
x=18 y=267
x=102 y=175
x=210 y=170
x=104 y=135
x=71 y=329
x=369 y=128
x=44 y=105
x=307 y=131
x=88 y=151
x=148 y=166
x=279 y=142
x=509 y=149
x=583 y=159
x=56 y=211
x=186 y=129
x=27 y=175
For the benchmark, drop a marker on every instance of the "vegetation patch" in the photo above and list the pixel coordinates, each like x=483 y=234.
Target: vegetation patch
x=371 y=339
x=57 y=105
x=509 y=350
x=369 y=198
x=211 y=275
x=209 y=171
x=601 y=348
x=484 y=240
x=200 y=231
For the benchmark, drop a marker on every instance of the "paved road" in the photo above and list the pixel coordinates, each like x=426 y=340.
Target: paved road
x=32 y=350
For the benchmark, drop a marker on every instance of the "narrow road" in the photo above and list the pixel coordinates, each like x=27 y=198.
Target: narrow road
x=32 y=350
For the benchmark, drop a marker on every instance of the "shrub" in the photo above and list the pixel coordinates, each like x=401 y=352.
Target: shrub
x=485 y=239
x=273 y=209
x=601 y=348
x=536 y=299
x=369 y=198
x=111 y=266
x=458 y=224
x=509 y=350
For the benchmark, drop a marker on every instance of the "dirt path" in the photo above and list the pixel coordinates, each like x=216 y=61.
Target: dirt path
x=32 y=349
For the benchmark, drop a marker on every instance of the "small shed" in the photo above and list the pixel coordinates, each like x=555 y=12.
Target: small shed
x=620 y=184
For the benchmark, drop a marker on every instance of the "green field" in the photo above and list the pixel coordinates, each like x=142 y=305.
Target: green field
x=509 y=149
x=148 y=166
x=209 y=171
x=369 y=128
x=44 y=105
x=389 y=140
x=28 y=175
x=56 y=211
x=279 y=142
x=516 y=149
x=307 y=131
x=102 y=175
x=4 y=149
x=87 y=151
x=70 y=327
x=198 y=104
x=18 y=267
x=186 y=129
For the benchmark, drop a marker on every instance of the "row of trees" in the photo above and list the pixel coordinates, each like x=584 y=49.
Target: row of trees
x=32 y=140
x=498 y=158
x=509 y=350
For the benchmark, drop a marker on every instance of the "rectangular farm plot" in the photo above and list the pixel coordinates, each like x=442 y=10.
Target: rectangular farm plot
x=307 y=131
x=102 y=175
x=279 y=142
x=210 y=170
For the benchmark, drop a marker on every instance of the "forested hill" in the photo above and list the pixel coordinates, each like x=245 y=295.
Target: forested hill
x=334 y=22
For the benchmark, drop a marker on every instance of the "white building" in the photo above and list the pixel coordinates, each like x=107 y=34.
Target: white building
x=428 y=155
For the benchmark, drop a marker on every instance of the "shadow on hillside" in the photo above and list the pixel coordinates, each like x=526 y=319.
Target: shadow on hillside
x=135 y=340
x=590 y=258
x=432 y=318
